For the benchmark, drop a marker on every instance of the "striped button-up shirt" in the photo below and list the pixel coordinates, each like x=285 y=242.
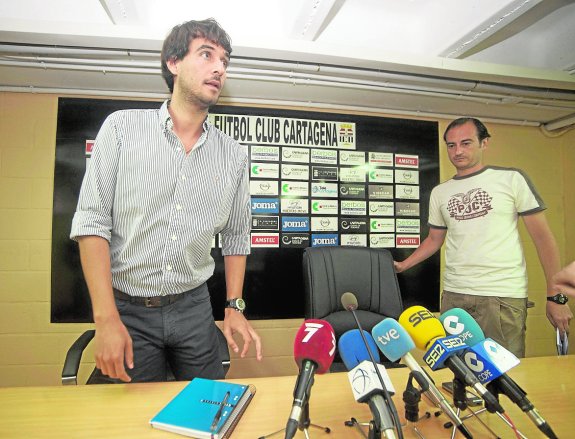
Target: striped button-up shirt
x=160 y=208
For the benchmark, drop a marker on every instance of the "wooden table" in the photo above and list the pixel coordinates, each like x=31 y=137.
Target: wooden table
x=123 y=411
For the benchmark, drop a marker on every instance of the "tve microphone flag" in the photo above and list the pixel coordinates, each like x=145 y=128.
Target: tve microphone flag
x=395 y=343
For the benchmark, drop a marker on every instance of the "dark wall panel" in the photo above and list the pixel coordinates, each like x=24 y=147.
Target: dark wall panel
x=274 y=282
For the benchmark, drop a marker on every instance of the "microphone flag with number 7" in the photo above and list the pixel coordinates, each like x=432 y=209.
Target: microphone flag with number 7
x=314 y=350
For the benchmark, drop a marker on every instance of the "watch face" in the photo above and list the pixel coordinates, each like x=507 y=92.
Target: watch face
x=240 y=304
x=559 y=298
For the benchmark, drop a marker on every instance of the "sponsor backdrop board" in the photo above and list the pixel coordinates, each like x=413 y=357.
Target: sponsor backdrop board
x=316 y=179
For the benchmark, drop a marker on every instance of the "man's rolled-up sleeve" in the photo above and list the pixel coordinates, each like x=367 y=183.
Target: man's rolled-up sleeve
x=93 y=216
x=236 y=235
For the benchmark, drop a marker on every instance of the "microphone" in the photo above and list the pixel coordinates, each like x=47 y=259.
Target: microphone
x=314 y=349
x=363 y=378
x=352 y=350
x=490 y=361
x=395 y=343
x=486 y=358
x=349 y=302
x=428 y=334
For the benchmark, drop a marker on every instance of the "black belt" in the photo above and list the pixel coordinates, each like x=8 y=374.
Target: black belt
x=151 y=302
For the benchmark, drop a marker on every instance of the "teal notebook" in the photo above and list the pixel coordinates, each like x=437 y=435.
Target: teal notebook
x=192 y=411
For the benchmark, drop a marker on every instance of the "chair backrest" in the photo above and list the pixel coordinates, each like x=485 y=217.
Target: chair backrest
x=74 y=355
x=368 y=273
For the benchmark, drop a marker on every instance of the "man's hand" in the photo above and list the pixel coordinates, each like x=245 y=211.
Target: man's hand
x=235 y=322
x=113 y=348
x=559 y=316
x=398 y=266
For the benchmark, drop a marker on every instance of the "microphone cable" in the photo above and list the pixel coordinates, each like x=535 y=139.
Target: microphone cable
x=349 y=302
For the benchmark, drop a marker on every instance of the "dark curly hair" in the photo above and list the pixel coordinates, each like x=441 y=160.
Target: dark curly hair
x=177 y=43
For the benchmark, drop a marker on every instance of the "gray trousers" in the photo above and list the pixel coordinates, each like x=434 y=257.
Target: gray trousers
x=179 y=339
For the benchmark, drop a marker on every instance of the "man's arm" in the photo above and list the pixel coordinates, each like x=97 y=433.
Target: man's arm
x=428 y=247
x=548 y=253
x=235 y=321
x=113 y=342
x=564 y=281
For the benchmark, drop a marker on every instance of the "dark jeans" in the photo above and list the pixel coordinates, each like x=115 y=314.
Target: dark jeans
x=180 y=338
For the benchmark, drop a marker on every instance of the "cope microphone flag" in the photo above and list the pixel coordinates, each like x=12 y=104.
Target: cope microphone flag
x=395 y=343
x=428 y=334
x=314 y=350
x=490 y=361
x=486 y=358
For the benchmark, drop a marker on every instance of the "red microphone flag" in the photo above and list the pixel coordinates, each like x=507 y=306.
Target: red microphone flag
x=315 y=341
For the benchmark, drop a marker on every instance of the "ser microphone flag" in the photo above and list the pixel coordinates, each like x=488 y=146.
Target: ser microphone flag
x=486 y=358
x=428 y=333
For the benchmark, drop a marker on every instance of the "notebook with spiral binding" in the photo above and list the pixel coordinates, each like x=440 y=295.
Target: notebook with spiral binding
x=192 y=411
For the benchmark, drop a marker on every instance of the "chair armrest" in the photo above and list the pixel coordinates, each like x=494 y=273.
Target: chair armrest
x=224 y=351
x=73 y=357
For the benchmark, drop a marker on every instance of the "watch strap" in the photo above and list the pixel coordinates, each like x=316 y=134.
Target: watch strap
x=559 y=298
x=238 y=304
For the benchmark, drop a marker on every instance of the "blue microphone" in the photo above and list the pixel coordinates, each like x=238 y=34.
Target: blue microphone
x=352 y=350
x=363 y=377
x=489 y=360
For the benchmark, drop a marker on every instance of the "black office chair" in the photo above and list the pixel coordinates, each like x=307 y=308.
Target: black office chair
x=368 y=273
x=74 y=355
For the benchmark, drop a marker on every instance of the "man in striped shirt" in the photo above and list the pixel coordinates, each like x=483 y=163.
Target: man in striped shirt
x=160 y=185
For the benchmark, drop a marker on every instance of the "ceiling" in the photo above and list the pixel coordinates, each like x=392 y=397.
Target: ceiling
x=511 y=61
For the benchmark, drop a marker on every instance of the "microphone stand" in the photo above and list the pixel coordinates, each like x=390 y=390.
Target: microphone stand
x=374 y=431
x=411 y=399
x=304 y=421
x=386 y=395
x=472 y=414
x=460 y=402
x=518 y=396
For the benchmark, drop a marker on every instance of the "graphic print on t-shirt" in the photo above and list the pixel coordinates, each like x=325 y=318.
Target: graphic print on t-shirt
x=473 y=204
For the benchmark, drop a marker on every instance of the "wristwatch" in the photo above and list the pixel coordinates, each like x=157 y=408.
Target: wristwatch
x=558 y=298
x=237 y=304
